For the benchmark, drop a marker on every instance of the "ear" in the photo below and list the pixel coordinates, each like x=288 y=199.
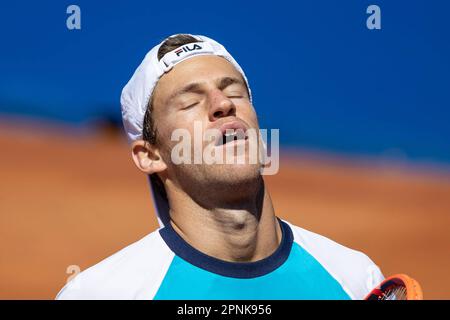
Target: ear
x=147 y=157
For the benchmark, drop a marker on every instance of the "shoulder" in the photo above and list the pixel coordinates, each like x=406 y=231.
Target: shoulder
x=353 y=270
x=134 y=272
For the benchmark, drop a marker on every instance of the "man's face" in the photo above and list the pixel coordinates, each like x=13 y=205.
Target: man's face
x=210 y=91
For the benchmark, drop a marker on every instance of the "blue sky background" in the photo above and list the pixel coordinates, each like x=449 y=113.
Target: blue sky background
x=316 y=71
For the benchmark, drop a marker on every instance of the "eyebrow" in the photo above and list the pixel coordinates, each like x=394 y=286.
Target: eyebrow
x=192 y=87
x=227 y=81
x=196 y=87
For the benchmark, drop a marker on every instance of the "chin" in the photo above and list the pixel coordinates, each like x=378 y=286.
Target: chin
x=236 y=174
x=224 y=182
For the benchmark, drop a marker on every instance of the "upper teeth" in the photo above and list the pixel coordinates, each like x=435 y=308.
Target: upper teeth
x=228 y=134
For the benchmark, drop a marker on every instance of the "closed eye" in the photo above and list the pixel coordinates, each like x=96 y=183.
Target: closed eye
x=235 y=91
x=190 y=106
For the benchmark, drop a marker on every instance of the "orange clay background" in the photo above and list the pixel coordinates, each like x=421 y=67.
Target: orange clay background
x=74 y=198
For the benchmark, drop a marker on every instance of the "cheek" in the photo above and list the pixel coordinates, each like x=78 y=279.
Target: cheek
x=248 y=114
x=191 y=120
x=176 y=129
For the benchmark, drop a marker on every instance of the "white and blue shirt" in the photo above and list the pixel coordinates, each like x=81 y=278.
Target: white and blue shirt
x=164 y=266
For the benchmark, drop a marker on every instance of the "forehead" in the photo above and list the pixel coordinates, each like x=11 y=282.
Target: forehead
x=205 y=69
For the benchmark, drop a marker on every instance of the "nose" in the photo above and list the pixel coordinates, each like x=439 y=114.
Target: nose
x=221 y=106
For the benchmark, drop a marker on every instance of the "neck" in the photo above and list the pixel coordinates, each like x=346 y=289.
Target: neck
x=247 y=231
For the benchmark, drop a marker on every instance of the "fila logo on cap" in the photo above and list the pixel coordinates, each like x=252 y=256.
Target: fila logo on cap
x=184 y=52
x=188 y=48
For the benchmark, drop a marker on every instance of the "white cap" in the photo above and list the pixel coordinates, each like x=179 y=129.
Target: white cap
x=137 y=92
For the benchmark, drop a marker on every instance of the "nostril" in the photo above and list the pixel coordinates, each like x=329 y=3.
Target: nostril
x=217 y=114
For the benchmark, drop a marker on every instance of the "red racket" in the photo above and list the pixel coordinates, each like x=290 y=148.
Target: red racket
x=397 y=287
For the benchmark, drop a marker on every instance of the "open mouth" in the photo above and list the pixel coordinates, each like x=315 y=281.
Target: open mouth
x=232 y=136
x=231 y=131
